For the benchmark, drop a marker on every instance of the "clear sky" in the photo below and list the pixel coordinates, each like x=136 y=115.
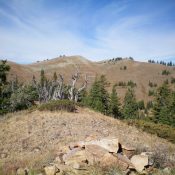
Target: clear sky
x=33 y=30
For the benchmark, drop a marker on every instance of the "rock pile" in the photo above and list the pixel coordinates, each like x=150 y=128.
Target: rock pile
x=105 y=152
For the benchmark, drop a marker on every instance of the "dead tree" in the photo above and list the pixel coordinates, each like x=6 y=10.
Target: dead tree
x=72 y=89
x=54 y=90
x=77 y=93
x=73 y=92
x=58 y=89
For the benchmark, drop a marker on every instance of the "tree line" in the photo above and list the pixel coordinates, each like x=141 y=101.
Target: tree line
x=170 y=63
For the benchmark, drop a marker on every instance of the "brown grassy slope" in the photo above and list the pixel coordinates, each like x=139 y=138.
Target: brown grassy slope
x=139 y=72
x=34 y=138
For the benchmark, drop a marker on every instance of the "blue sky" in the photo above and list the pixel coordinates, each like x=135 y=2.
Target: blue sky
x=33 y=30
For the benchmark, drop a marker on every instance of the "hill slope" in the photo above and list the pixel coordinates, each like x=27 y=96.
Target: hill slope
x=139 y=72
x=34 y=138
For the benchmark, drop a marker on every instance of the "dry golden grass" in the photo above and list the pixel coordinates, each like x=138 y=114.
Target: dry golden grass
x=139 y=72
x=33 y=139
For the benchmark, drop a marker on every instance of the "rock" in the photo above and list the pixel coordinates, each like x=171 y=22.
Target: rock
x=90 y=138
x=77 y=160
x=139 y=162
x=51 y=170
x=125 y=160
x=62 y=169
x=128 y=151
x=110 y=144
x=109 y=160
x=70 y=153
x=94 y=153
x=22 y=171
x=128 y=148
x=59 y=158
x=150 y=157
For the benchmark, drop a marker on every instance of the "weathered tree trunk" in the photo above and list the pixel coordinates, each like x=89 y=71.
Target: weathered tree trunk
x=81 y=89
x=58 y=90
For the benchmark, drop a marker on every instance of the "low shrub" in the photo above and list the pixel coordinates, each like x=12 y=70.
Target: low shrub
x=165 y=72
x=57 y=105
x=151 y=93
x=161 y=130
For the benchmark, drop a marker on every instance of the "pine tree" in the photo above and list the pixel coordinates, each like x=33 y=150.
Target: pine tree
x=98 y=96
x=130 y=108
x=114 y=106
x=5 y=90
x=4 y=69
x=164 y=105
x=42 y=78
x=172 y=109
x=55 y=76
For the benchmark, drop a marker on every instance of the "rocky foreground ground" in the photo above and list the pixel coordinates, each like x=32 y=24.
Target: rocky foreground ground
x=35 y=140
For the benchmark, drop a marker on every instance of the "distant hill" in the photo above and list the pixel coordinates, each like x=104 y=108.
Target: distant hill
x=115 y=71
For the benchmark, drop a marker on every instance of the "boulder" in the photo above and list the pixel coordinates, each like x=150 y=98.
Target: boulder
x=139 y=162
x=110 y=144
x=77 y=160
x=109 y=160
x=128 y=151
x=70 y=153
x=150 y=157
x=51 y=170
x=22 y=171
x=63 y=168
x=124 y=159
x=94 y=153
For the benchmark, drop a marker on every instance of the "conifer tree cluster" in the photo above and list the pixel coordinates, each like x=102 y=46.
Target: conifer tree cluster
x=162 y=62
x=109 y=104
x=164 y=106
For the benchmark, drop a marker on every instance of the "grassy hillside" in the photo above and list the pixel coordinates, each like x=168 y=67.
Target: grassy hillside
x=33 y=139
x=139 y=72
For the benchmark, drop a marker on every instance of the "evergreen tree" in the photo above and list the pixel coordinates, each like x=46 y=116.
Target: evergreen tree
x=114 y=106
x=42 y=78
x=164 y=105
x=4 y=69
x=172 y=109
x=5 y=90
x=55 y=76
x=98 y=96
x=130 y=108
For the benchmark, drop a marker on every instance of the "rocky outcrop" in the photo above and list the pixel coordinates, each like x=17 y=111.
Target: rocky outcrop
x=105 y=152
